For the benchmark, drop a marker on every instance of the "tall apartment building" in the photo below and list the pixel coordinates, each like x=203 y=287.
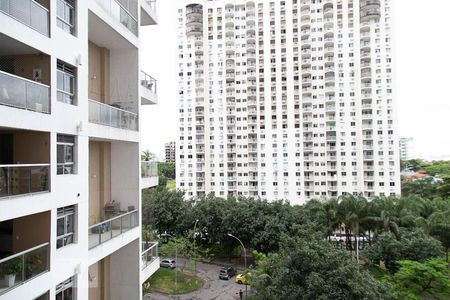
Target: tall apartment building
x=286 y=99
x=71 y=91
x=170 y=152
x=406 y=148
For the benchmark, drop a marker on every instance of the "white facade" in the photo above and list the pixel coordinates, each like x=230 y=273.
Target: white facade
x=406 y=148
x=71 y=91
x=286 y=99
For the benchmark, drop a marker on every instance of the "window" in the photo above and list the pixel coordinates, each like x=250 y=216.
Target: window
x=65 y=83
x=65 y=290
x=65 y=15
x=65 y=226
x=65 y=154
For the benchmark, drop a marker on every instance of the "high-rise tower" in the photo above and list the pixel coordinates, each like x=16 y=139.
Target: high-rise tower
x=286 y=99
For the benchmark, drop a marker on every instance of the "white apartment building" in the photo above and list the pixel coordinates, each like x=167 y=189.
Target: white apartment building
x=286 y=99
x=71 y=96
x=406 y=147
x=170 y=152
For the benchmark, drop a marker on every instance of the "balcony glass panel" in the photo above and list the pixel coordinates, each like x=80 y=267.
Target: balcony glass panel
x=149 y=169
x=27 y=12
x=102 y=114
x=23 y=93
x=106 y=230
x=149 y=253
x=120 y=13
x=23 y=179
x=24 y=266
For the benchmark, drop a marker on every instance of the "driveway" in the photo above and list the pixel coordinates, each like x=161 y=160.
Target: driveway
x=213 y=289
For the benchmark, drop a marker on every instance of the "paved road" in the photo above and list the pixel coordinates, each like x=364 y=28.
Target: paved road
x=213 y=289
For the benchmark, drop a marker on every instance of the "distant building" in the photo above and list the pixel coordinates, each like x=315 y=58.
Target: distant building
x=286 y=99
x=170 y=152
x=406 y=148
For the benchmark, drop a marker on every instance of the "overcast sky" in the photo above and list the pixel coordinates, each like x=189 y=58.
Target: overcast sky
x=422 y=41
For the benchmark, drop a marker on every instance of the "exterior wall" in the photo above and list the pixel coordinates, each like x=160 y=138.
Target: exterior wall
x=99 y=180
x=99 y=70
x=110 y=155
x=286 y=99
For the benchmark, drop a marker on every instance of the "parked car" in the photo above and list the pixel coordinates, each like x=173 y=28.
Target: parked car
x=242 y=279
x=226 y=273
x=168 y=263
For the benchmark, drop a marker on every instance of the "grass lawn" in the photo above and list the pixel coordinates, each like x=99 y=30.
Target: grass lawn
x=170 y=184
x=163 y=281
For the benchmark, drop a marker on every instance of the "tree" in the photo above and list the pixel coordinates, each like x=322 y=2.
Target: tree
x=419 y=280
x=166 y=169
x=412 y=164
x=440 y=228
x=410 y=246
x=354 y=211
x=310 y=268
x=147 y=156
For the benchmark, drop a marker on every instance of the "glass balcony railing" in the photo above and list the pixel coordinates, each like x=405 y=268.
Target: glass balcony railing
x=23 y=93
x=103 y=114
x=149 y=169
x=152 y=4
x=149 y=82
x=109 y=229
x=29 y=13
x=120 y=13
x=24 y=266
x=24 y=179
x=149 y=253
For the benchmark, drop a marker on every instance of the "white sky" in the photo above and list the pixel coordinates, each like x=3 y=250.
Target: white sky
x=422 y=41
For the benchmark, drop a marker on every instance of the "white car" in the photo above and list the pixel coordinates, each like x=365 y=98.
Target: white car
x=168 y=263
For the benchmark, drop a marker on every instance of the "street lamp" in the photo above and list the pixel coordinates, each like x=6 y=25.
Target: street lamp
x=245 y=257
x=176 y=259
x=195 y=260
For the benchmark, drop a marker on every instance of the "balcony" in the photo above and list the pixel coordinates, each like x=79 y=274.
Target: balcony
x=24 y=179
x=150 y=260
x=149 y=93
x=107 y=230
x=23 y=93
x=125 y=16
x=29 y=13
x=148 y=13
x=149 y=174
x=108 y=115
x=22 y=267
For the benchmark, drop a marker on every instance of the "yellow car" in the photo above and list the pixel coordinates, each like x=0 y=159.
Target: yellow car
x=242 y=279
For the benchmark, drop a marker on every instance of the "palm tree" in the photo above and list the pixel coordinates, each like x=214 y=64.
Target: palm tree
x=355 y=212
x=147 y=156
x=333 y=222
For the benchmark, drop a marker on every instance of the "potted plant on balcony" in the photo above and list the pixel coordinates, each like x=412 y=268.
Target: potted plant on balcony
x=11 y=269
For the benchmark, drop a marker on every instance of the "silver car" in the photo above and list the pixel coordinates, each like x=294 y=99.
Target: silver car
x=168 y=263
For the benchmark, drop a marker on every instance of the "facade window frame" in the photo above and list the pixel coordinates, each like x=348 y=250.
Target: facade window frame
x=66 y=290
x=66 y=147
x=65 y=15
x=66 y=83
x=66 y=215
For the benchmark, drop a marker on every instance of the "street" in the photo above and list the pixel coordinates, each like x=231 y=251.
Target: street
x=214 y=288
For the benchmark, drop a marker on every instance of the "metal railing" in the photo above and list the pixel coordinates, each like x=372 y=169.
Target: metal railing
x=120 y=13
x=23 y=179
x=149 y=253
x=24 y=266
x=149 y=169
x=103 y=114
x=28 y=12
x=109 y=229
x=23 y=93
x=149 y=82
